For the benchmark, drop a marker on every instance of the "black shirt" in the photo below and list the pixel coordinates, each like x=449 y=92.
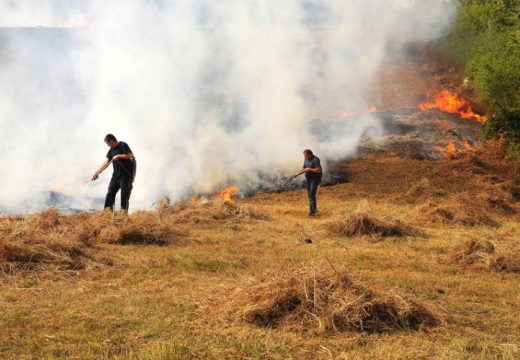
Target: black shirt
x=122 y=167
x=312 y=163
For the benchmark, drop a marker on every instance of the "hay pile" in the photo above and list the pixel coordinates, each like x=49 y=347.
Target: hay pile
x=484 y=254
x=363 y=223
x=470 y=252
x=323 y=301
x=457 y=213
x=207 y=212
x=144 y=228
x=71 y=242
x=43 y=241
x=506 y=262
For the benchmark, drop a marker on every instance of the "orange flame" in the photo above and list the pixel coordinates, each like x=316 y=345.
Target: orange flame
x=227 y=194
x=468 y=146
x=453 y=104
x=348 y=114
x=449 y=152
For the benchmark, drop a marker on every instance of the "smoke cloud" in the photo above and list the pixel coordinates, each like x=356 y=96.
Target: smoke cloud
x=206 y=93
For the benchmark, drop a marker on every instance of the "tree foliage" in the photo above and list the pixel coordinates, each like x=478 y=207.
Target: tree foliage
x=485 y=40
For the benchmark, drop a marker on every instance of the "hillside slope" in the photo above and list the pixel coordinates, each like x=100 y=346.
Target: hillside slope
x=407 y=259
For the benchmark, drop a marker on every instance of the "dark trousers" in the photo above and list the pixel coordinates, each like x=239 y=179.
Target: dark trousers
x=123 y=183
x=312 y=187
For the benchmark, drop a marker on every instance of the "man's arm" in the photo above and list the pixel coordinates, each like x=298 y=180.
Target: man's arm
x=100 y=169
x=128 y=156
x=316 y=170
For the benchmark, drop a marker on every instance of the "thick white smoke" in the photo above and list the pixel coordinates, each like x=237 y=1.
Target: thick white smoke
x=205 y=92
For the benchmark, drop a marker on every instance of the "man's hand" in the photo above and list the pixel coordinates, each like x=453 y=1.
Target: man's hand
x=115 y=157
x=94 y=177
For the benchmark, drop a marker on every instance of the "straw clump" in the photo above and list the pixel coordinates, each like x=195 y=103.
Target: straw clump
x=325 y=302
x=457 y=213
x=201 y=212
x=142 y=227
x=45 y=240
x=71 y=242
x=484 y=254
x=363 y=223
x=146 y=228
x=471 y=252
x=506 y=262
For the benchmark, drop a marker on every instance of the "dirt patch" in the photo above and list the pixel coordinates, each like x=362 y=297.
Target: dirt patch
x=324 y=301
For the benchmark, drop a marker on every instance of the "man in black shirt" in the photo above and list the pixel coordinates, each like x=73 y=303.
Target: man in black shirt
x=123 y=162
x=313 y=174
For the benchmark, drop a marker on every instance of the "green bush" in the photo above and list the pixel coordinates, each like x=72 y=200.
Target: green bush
x=485 y=41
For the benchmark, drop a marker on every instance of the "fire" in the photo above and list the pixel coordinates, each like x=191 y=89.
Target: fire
x=452 y=103
x=348 y=114
x=227 y=194
x=449 y=152
x=468 y=146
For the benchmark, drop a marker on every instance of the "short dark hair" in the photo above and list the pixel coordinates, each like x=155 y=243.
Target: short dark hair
x=308 y=151
x=110 y=137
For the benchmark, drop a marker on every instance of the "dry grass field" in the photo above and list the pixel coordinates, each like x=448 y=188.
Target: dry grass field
x=408 y=259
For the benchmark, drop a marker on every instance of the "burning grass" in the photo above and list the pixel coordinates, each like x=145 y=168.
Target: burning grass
x=323 y=301
x=452 y=103
x=363 y=223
